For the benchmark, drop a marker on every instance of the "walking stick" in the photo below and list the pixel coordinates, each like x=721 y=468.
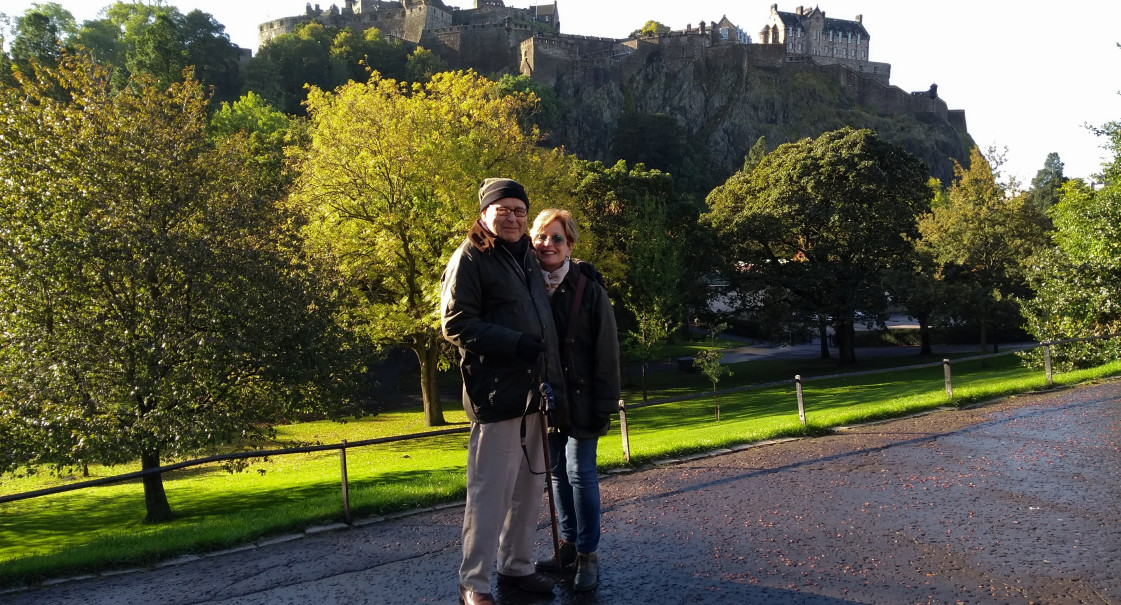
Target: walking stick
x=547 y=404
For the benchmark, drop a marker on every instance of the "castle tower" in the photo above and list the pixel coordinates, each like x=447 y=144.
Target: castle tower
x=808 y=32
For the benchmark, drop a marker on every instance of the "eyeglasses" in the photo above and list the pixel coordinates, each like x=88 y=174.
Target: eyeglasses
x=558 y=239
x=504 y=211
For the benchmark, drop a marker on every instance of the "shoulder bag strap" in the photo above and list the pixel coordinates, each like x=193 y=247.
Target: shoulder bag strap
x=574 y=314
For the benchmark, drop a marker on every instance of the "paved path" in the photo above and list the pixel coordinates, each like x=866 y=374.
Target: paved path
x=1017 y=501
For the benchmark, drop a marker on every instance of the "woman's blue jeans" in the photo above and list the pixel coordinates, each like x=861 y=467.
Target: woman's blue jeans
x=576 y=489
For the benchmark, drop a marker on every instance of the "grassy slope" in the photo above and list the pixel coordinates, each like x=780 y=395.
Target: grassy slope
x=101 y=528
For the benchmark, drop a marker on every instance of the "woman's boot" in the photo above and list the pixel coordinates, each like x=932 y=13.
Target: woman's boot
x=587 y=572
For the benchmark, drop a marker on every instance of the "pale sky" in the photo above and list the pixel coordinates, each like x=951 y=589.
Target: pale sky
x=1029 y=76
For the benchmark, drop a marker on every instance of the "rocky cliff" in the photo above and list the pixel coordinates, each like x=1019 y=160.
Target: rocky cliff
x=698 y=115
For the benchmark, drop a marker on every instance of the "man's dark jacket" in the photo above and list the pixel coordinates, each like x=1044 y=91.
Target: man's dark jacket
x=488 y=300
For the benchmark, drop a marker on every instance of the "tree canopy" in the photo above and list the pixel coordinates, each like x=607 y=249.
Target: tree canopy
x=634 y=230
x=1077 y=283
x=822 y=219
x=328 y=57
x=651 y=28
x=151 y=301
x=978 y=239
x=389 y=185
x=159 y=40
x=40 y=34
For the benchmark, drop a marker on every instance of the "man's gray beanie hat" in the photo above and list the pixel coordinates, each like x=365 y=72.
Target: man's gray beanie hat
x=493 y=190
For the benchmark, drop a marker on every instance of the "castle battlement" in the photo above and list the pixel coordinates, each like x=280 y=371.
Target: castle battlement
x=495 y=38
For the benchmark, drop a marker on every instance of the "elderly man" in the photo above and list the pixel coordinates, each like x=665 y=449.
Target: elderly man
x=495 y=309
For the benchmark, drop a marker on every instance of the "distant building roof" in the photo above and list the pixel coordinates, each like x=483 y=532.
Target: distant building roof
x=839 y=25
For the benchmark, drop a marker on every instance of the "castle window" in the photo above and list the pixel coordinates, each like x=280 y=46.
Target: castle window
x=858 y=39
x=850 y=37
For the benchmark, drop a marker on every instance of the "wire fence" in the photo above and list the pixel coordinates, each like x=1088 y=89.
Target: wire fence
x=798 y=381
x=342 y=447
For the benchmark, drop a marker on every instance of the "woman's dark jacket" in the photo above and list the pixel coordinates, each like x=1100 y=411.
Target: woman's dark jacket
x=591 y=361
x=488 y=299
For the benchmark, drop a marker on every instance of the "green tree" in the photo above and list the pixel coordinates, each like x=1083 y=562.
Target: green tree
x=423 y=64
x=158 y=39
x=755 y=155
x=270 y=133
x=650 y=28
x=151 y=304
x=389 y=186
x=217 y=61
x=326 y=57
x=545 y=112
x=158 y=52
x=40 y=35
x=101 y=38
x=1076 y=284
x=110 y=38
x=979 y=239
x=633 y=225
x=913 y=283
x=286 y=63
x=822 y=219
x=354 y=54
x=1046 y=187
x=656 y=273
x=649 y=336
x=709 y=362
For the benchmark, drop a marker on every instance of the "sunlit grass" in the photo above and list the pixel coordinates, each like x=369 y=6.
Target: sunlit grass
x=101 y=528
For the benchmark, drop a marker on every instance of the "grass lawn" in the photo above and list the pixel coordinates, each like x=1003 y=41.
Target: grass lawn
x=101 y=528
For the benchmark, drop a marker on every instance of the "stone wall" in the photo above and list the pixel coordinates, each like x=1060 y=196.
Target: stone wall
x=390 y=22
x=421 y=19
x=488 y=49
x=546 y=57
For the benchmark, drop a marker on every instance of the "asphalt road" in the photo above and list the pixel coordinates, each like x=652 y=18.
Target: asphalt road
x=1014 y=501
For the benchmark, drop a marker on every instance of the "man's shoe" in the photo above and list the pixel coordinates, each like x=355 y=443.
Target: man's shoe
x=567 y=560
x=470 y=597
x=533 y=582
x=587 y=572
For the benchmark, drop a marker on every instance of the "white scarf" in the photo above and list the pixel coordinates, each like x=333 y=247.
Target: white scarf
x=554 y=278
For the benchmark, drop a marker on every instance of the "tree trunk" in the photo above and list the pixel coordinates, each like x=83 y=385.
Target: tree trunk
x=845 y=334
x=155 y=500
x=924 y=334
x=427 y=349
x=823 y=336
x=984 y=341
x=643 y=380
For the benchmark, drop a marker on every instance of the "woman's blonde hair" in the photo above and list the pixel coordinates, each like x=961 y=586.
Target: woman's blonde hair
x=549 y=215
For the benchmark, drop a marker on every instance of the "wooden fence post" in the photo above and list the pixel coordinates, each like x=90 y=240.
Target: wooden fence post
x=1047 y=365
x=623 y=430
x=346 y=485
x=949 y=380
x=801 y=401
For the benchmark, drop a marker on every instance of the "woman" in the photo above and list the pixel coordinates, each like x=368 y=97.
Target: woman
x=585 y=325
